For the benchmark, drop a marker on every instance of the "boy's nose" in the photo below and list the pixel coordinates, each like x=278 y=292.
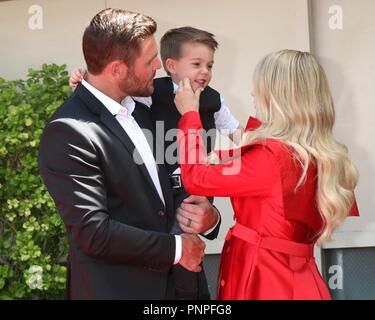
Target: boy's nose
x=204 y=70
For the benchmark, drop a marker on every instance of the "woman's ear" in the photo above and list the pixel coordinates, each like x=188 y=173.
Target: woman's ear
x=170 y=65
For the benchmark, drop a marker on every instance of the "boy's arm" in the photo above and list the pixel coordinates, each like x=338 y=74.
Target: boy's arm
x=227 y=124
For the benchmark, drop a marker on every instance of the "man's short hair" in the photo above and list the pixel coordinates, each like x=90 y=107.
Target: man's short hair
x=173 y=40
x=115 y=34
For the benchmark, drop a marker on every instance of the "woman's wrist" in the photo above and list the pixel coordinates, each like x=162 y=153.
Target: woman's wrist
x=188 y=110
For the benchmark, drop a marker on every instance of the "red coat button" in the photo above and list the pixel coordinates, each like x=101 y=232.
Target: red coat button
x=161 y=213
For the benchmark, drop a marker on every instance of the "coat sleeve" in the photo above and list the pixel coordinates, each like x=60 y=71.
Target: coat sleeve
x=354 y=211
x=252 y=174
x=70 y=168
x=223 y=156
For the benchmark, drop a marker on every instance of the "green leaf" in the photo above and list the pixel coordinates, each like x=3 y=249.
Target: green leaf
x=33 y=232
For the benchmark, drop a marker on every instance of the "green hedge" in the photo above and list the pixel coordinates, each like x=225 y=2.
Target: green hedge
x=33 y=244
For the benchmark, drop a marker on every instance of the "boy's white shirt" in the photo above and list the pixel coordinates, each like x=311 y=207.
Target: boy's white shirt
x=225 y=122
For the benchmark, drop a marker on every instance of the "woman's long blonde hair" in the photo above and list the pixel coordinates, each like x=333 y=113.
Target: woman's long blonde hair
x=294 y=102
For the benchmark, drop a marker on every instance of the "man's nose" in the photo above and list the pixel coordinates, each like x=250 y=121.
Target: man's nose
x=157 y=64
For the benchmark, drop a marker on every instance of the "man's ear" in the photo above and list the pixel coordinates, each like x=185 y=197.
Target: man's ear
x=170 y=64
x=118 y=69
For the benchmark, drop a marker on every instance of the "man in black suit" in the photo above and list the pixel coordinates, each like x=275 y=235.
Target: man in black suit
x=115 y=200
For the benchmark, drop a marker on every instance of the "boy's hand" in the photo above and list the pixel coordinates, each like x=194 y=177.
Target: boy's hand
x=196 y=215
x=186 y=100
x=76 y=77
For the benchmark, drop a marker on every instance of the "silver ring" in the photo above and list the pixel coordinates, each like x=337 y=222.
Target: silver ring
x=189 y=223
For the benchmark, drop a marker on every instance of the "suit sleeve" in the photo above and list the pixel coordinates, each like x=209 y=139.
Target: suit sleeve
x=254 y=173
x=69 y=166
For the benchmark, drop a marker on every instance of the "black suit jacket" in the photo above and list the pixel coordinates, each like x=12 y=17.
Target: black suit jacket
x=117 y=225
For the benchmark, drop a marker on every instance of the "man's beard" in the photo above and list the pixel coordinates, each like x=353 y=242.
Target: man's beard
x=135 y=87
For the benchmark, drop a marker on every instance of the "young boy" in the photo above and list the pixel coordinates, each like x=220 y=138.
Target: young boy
x=186 y=52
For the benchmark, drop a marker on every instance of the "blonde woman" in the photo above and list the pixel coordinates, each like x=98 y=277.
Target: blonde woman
x=291 y=184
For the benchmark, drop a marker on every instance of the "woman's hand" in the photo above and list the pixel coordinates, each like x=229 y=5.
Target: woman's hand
x=186 y=99
x=76 y=77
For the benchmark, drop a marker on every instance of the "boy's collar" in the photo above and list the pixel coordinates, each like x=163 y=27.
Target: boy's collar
x=175 y=87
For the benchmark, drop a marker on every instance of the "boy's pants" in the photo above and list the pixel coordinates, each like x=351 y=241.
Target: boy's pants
x=188 y=285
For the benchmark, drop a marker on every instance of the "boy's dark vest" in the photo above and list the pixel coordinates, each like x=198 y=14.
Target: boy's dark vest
x=188 y=285
x=164 y=109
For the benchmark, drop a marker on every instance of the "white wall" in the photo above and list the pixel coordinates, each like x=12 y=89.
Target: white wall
x=347 y=54
x=246 y=31
x=58 y=41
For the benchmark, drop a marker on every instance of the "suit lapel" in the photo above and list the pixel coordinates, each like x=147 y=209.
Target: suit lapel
x=114 y=126
x=142 y=115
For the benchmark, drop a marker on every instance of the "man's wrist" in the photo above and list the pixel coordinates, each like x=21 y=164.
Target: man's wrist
x=178 y=251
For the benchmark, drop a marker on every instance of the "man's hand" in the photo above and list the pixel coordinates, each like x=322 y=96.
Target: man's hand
x=192 y=252
x=196 y=215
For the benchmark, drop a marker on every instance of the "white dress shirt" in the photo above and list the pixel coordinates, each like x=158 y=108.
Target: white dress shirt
x=123 y=113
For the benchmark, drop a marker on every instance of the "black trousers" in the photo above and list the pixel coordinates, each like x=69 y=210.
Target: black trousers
x=188 y=285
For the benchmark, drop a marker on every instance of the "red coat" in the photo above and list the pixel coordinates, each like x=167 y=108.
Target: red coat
x=269 y=252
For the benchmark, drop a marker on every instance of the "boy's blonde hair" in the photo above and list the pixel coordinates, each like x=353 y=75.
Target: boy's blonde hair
x=173 y=40
x=294 y=102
